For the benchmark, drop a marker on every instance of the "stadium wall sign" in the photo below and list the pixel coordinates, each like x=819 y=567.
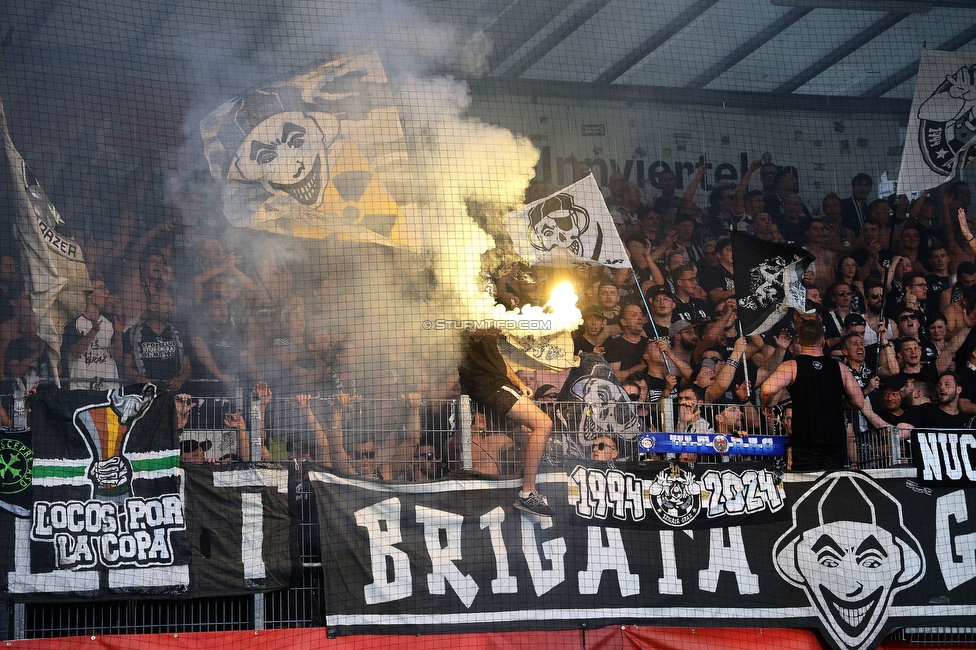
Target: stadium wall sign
x=643 y=140
x=853 y=555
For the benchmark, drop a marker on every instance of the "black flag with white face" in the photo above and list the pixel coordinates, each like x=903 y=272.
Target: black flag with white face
x=768 y=281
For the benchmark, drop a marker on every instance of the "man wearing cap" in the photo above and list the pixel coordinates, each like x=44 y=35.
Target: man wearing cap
x=664 y=369
x=194 y=451
x=685 y=341
x=662 y=306
x=589 y=337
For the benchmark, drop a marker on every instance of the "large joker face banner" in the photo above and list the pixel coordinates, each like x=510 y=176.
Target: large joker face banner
x=304 y=157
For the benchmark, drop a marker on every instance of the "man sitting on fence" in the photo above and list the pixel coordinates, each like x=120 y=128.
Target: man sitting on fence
x=488 y=379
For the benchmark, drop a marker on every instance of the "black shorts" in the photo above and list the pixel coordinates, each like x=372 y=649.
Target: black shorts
x=501 y=401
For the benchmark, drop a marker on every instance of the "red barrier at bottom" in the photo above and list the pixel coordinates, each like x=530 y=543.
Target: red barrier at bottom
x=624 y=637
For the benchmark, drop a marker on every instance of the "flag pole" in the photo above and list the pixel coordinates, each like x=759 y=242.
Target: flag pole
x=745 y=366
x=883 y=318
x=650 y=316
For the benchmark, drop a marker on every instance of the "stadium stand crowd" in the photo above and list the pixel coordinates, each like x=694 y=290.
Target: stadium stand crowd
x=893 y=285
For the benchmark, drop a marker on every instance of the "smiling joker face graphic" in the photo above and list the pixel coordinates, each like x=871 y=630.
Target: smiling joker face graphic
x=850 y=551
x=289 y=153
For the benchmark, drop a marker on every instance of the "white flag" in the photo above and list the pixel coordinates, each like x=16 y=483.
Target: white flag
x=58 y=277
x=569 y=228
x=942 y=123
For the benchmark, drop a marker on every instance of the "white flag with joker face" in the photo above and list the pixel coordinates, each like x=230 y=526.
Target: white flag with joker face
x=569 y=228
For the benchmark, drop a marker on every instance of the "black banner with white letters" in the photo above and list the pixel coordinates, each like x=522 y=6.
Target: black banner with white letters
x=945 y=457
x=856 y=556
x=668 y=496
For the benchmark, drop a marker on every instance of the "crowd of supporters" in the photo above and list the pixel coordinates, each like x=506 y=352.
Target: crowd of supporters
x=893 y=284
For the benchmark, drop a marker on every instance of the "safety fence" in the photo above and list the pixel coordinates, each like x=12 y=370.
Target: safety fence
x=453 y=436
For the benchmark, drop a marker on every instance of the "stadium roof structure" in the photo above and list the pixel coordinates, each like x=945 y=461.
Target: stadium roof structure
x=794 y=53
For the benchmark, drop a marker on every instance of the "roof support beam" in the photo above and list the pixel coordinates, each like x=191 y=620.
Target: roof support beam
x=880 y=89
x=557 y=36
x=662 y=36
x=844 y=50
x=747 y=48
x=531 y=90
x=518 y=23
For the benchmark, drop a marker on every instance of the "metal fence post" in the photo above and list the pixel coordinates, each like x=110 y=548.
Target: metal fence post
x=464 y=427
x=255 y=427
x=259 y=615
x=20 y=625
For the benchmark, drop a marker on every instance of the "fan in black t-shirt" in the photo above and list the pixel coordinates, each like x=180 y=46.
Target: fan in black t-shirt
x=945 y=413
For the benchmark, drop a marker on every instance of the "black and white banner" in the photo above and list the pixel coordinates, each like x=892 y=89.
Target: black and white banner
x=855 y=556
x=572 y=227
x=239 y=519
x=945 y=457
x=942 y=120
x=671 y=496
x=768 y=281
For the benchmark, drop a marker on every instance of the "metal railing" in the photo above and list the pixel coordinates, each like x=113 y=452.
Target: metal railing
x=460 y=440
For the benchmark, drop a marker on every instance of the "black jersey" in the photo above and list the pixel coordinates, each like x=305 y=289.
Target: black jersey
x=818 y=417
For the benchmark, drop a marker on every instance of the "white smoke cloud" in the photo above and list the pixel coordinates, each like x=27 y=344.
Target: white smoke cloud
x=378 y=300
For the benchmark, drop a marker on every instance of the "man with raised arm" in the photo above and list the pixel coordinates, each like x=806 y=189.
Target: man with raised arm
x=816 y=384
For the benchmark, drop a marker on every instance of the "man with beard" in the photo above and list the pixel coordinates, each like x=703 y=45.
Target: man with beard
x=873 y=319
x=684 y=341
x=817 y=385
x=945 y=413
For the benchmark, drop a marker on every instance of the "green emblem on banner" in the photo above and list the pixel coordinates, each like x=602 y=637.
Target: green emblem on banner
x=16 y=461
